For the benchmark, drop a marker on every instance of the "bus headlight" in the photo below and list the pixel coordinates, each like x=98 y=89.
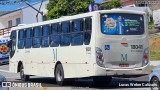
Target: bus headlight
x=145 y=57
x=99 y=57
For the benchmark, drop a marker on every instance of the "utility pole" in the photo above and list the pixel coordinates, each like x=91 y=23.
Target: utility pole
x=38 y=11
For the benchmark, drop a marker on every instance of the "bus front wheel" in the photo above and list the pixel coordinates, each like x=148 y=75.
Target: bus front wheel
x=59 y=75
x=22 y=75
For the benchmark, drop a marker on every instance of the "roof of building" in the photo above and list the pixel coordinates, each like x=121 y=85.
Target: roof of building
x=2 y=13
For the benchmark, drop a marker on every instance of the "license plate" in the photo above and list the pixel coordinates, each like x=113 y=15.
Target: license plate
x=123 y=65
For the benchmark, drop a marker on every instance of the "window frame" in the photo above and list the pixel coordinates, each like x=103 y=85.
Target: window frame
x=34 y=37
x=18 y=21
x=52 y=42
x=43 y=36
x=63 y=34
x=31 y=35
x=10 y=23
x=78 y=32
x=86 y=30
x=21 y=39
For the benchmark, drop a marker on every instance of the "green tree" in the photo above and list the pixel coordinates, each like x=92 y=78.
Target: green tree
x=103 y=6
x=58 y=8
x=111 y=4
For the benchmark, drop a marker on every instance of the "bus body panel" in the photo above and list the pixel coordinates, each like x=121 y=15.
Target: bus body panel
x=133 y=72
x=123 y=53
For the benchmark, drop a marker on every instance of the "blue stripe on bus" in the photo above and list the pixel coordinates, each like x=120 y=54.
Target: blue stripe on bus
x=4 y=58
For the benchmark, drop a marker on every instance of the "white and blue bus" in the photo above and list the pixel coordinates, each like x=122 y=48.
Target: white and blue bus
x=99 y=44
x=4 y=49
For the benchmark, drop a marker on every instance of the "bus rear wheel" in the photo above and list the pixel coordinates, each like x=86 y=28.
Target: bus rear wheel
x=59 y=75
x=22 y=75
x=102 y=80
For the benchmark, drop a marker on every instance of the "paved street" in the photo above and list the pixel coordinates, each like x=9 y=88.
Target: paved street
x=79 y=84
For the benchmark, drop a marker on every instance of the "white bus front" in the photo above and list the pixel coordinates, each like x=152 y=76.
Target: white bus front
x=122 y=44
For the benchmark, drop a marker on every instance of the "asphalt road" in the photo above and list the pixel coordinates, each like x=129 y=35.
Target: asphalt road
x=83 y=84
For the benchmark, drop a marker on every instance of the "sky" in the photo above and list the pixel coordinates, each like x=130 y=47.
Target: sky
x=16 y=6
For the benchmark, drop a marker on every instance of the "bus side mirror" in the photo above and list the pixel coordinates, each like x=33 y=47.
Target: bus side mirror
x=9 y=43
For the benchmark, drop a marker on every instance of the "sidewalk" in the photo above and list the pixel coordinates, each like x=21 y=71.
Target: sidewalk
x=155 y=63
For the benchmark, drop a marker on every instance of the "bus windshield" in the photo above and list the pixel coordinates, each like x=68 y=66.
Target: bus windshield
x=122 y=24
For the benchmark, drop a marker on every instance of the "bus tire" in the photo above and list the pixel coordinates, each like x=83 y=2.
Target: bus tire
x=59 y=75
x=102 y=80
x=155 y=81
x=22 y=75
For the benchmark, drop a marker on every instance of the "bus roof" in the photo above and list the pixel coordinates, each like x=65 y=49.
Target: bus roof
x=83 y=15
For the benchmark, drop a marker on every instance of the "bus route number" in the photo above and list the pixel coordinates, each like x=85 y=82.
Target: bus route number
x=136 y=46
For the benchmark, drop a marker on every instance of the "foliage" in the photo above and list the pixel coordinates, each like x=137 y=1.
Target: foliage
x=103 y=6
x=58 y=8
x=111 y=4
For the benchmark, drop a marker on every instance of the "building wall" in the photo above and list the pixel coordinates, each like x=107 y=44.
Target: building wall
x=29 y=14
x=4 y=19
x=127 y=2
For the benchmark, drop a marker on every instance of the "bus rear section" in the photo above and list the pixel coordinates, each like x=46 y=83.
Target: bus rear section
x=122 y=45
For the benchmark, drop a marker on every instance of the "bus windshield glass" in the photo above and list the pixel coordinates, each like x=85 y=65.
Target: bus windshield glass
x=122 y=24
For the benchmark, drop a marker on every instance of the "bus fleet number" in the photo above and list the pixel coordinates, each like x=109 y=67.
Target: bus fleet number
x=136 y=46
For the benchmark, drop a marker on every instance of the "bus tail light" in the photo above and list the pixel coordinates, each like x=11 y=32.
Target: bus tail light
x=145 y=57
x=99 y=57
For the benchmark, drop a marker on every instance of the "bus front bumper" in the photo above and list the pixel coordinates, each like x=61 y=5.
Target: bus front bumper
x=4 y=61
x=121 y=72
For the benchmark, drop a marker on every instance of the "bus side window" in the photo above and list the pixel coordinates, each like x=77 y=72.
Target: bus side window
x=36 y=37
x=55 y=37
x=13 y=43
x=77 y=32
x=65 y=34
x=28 y=34
x=45 y=36
x=88 y=30
x=21 y=39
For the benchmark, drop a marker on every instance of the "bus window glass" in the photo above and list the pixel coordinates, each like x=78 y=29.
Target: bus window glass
x=88 y=24
x=21 y=39
x=45 y=37
x=55 y=29
x=65 y=35
x=77 y=39
x=65 y=40
x=77 y=34
x=88 y=30
x=13 y=35
x=77 y=26
x=55 y=37
x=37 y=31
x=45 y=30
x=122 y=24
x=54 y=41
x=36 y=37
x=65 y=27
x=28 y=42
x=13 y=44
x=87 y=37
